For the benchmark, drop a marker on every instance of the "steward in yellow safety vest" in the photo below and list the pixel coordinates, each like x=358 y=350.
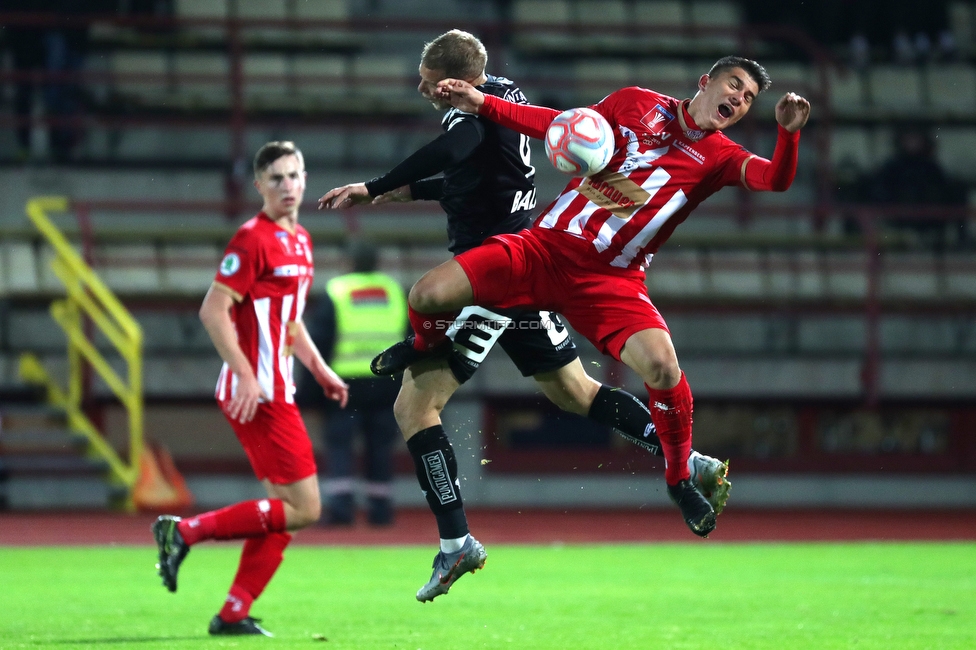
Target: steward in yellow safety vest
x=370 y=316
x=362 y=314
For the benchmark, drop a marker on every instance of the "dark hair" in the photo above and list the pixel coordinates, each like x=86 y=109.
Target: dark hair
x=272 y=151
x=457 y=54
x=363 y=254
x=753 y=69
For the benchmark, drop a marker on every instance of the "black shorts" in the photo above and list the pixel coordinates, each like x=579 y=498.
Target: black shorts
x=536 y=341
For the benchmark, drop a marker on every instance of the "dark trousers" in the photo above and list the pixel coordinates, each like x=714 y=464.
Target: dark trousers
x=369 y=413
x=379 y=429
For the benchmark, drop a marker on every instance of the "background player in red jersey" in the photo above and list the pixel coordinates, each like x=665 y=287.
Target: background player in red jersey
x=253 y=313
x=586 y=255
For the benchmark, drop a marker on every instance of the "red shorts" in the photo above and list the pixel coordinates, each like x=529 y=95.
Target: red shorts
x=545 y=269
x=276 y=442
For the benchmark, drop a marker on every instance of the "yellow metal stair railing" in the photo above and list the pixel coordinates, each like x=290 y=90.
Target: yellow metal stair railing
x=87 y=295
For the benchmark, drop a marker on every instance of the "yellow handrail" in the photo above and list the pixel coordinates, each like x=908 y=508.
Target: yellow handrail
x=88 y=295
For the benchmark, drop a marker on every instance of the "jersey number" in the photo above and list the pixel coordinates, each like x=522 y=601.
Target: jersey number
x=526 y=152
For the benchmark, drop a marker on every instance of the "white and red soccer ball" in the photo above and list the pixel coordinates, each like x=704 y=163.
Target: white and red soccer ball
x=579 y=142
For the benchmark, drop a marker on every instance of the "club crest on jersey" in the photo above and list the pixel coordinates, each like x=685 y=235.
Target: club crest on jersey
x=657 y=119
x=230 y=264
x=283 y=240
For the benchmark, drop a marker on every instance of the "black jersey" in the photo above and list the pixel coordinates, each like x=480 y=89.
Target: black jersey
x=487 y=187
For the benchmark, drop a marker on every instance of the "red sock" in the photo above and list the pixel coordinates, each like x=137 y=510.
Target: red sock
x=430 y=330
x=260 y=558
x=237 y=606
x=245 y=519
x=671 y=412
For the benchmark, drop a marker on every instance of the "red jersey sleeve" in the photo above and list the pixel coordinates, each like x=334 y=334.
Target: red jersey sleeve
x=241 y=263
x=774 y=175
x=523 y=118
x=617 y=101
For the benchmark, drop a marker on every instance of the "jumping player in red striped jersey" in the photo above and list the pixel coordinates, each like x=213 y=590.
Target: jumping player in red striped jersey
x=253 y=314
x=585 y=256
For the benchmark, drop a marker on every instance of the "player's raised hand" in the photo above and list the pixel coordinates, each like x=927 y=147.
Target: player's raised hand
x=345 y=197
x=460 y=94
x=244 y=405
x=399 y=195
x=334 y=387
x=792 y=112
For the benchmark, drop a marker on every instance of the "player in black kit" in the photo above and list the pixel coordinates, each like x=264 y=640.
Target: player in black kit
x=487 y=188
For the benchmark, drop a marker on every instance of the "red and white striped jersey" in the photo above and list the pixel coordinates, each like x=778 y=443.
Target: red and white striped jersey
x=268 y=271
x=662 y=168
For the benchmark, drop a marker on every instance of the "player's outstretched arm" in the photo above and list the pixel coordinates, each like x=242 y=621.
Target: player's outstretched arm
x=527 y=119
x=401 y=194
x=792 y=112
x=413 y=178
x=216 y=319
x=308 y=354
x=345 y=197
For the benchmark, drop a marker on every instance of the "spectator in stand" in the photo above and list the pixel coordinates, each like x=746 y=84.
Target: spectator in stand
x=914 y=177
x=25 y=42
x=54 y=47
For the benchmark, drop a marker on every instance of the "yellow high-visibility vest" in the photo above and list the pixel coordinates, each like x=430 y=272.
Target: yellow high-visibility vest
x=371 y=315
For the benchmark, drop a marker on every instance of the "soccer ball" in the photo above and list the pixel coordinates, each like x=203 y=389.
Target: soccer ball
x=579 y=142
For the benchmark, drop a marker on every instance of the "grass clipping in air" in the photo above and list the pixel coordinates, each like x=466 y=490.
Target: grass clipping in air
x=694 y=596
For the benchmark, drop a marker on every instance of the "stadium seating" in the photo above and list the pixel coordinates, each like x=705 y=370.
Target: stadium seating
x=951 y=90
x=895 y=91
x=661 y=23
x=766 y=296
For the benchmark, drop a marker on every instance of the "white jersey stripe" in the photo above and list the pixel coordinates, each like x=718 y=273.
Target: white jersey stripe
x=221 y=392
x=283 y=366
x=560 y=206
x=262 y=308
x=577 y=223
x=613 y=224
x=648 y=231
x=301 y=295
x=290 y=389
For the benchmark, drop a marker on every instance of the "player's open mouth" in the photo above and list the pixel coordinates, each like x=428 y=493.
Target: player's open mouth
x=725 y=111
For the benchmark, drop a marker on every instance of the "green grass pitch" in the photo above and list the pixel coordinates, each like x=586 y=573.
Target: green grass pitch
x=674 y=596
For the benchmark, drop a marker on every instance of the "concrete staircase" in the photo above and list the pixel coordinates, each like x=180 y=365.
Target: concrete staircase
x=43 y=464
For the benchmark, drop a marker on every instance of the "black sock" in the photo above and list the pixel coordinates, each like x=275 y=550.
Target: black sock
x=433 y=458
x=628 y=415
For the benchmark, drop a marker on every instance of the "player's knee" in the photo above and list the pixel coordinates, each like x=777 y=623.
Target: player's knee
x=303 y=510
x=659 y=370
x=434 y=292
x=663 y=373
x=424 y=295
x=306 y=514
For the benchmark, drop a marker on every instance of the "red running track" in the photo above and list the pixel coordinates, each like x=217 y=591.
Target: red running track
x=534 y=526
